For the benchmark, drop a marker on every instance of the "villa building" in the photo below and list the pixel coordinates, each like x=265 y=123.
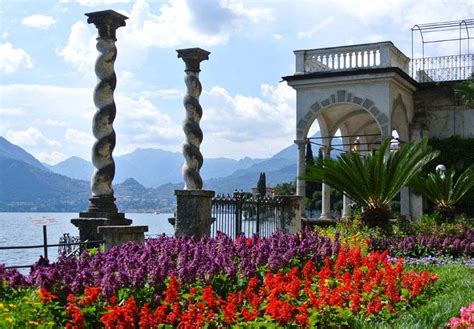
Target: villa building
x=372 y=91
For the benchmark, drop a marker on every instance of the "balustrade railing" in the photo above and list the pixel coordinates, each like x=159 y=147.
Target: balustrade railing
x=371 y=55
x=383 y=55
x=442 y=68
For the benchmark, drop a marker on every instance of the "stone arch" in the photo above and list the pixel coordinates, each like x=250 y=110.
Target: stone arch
x=399 y=119
x=339 y=98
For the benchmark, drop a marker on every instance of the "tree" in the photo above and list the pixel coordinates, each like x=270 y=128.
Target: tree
x=373 y=180
x=441 y=189
x=466 y=89
x=309 y=154
x=262 y=185
x=311 y=187
x=285 y=189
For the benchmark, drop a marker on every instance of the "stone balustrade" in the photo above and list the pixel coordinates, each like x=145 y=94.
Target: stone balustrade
x=369 y=55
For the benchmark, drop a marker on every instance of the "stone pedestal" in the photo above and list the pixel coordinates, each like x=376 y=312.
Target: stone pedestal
x=193 y=212
x=87 y=223
x=291 y=219
x=116 y=235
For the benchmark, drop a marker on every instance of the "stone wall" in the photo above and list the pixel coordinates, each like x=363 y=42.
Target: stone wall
x=441 y=112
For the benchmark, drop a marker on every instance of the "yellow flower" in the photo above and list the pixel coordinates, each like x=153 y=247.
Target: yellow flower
x=1 y=305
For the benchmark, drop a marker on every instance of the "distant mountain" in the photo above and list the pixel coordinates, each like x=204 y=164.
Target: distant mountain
x=152 y=167
x=280 y=168
x=74 y=167
x=11 y=151
x=24 y=187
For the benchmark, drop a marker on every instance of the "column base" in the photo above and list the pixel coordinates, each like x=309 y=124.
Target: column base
x=87 y=223
x=326 y=217
x=193 y=212
x=118 y=234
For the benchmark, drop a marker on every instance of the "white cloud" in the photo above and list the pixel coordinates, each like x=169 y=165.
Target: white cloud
x=50 y=158
x=12 y=59
x=39 y=21
x=93 y=3
x=79 y=137
x=233 y=124
x=143 y=122
x=165 y=93
x=12 y=111
x=405 y=12
x=277 y=36
x=316 y=28
x=80 y=48
x=57 y=123
x=65 y=115
x=207 y=23
x=30 y=137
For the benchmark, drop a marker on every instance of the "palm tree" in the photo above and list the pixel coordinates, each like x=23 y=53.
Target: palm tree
x=373 y=180
x=466 y=89
x=440 y=188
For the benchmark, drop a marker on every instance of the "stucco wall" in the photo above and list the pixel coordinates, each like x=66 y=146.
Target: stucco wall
x=441 y=111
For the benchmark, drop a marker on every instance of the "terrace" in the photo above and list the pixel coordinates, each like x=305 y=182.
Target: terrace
x=381 y=55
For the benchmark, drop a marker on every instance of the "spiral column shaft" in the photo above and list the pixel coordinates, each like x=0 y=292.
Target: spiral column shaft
x=192 y=57
x=102 y=199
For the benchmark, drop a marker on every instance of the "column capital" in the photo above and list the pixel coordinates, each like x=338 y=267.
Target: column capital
x=193 y=57
x=107 y=22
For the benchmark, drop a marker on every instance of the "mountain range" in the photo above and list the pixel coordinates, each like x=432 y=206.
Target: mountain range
x=145 y=179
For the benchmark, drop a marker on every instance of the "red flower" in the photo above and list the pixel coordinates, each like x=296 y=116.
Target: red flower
x=46 y=296
x=121 y=316
x=172 y=292
x=74 y=313
x=91 y=295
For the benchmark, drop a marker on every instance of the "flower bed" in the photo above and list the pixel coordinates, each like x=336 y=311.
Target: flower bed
x=419 y=246
x=290 y=280
x=465 y=320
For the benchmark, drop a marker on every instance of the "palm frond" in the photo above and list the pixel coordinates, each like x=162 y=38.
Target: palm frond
x=373 y=179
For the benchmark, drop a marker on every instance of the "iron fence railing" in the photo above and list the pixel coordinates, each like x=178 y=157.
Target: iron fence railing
x=241 y=213
x=69 y=245
x=442 y=68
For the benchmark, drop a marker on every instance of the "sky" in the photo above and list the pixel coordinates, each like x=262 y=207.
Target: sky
x=47 y=55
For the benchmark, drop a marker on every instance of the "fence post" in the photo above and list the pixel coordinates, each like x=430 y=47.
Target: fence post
x=45 y=242
x=238 y=214
x=257 y=226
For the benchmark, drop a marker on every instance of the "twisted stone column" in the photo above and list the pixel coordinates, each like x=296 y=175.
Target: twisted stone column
x=102 y=211
x=102 y=199
x=193 y=204
x=192 y=57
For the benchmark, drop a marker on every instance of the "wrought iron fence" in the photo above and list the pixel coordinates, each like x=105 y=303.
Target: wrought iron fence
x=443 y=68
x=242 y=213
x=69 y=244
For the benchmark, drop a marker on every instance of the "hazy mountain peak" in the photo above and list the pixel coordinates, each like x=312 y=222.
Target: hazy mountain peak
x=11 y=151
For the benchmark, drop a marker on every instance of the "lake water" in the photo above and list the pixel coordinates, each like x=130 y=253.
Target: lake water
x=18 y=229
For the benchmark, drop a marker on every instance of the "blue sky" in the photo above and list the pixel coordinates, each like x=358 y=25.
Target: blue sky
x=47 y=55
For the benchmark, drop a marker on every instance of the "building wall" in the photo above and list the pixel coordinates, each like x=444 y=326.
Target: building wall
x=440 y=111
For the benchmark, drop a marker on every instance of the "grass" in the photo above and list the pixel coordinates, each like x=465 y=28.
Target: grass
x=453 y=290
